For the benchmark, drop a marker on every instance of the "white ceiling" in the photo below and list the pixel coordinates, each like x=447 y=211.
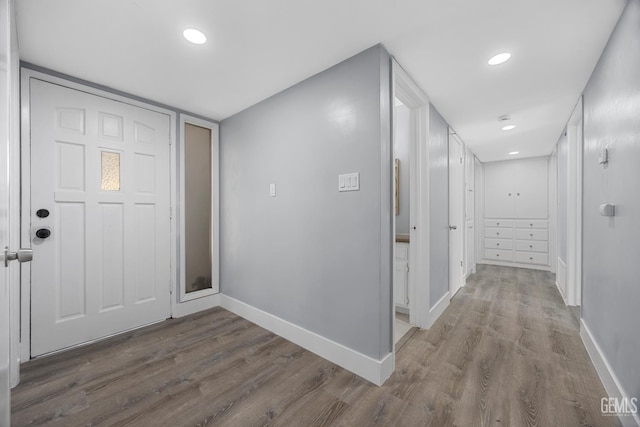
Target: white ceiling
x=258 y=48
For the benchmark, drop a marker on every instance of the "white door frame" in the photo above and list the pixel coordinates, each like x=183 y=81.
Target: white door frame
x=406 y=90
x=574 y=207
x=25 y=237
x=207 y=295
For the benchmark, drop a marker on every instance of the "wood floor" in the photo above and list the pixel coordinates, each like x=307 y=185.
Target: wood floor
x=505 y=353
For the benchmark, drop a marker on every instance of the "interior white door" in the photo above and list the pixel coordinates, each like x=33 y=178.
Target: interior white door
x=4 y=218
x=8 y=136
x=100 y=217
x=456 y=215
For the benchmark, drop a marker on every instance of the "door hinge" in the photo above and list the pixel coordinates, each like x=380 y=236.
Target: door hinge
x=460 y=263
x=460 y=159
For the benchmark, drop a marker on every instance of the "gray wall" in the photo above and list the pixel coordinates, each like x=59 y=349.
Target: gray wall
x=439 y=206
x=611 y=246
x=563 y=188
x=313 y=256
x=401 y=144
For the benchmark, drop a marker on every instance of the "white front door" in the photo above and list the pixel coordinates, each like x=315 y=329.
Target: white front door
x=100 y=217
x=456 y=215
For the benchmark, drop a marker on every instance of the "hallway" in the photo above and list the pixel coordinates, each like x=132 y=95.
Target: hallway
x=505 y=352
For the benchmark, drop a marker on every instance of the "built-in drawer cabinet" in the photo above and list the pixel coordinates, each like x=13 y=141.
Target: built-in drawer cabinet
x=498 y=232
x=532 y=234
x=532 y=258
x=521 y=241
x=532 y=246
x=498 y=255
x=531 y=223
x=508 y=223
x=498 y=243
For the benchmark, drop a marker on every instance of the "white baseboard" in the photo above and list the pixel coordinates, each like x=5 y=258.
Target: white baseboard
x=186 y=308
x=437 y=310
x=515 y=264
x=375 y=371
x=606 y=374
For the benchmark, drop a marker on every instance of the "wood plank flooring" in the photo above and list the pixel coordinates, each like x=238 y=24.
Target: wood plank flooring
x=505 y=353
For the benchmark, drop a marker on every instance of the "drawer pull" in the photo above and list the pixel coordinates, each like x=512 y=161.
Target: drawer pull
x=531 y=258
x=497 y=233
x=497 y=223
x=531 y=225
x=531 y=235
x=531 y=246
x=497 y=255
x=497 y=244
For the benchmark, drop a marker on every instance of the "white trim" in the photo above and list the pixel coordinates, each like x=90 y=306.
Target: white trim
x=375 y=371
x=215 y=212
x=515 y=264
x=561 y=279
x=605 y=372
x=195 y=306
x=25 y=238
x=437 y=310
x=407 y=91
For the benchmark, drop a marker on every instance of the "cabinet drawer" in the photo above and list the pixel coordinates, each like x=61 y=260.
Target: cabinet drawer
x=532 y=246
x=498 y=223
x=498 y=255
x=402 y=252
x=505 y=244
x=532 y=258
x=532 y=223
x=532 y=234
x=498 y=233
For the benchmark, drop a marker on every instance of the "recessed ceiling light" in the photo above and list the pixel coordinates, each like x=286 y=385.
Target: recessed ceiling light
x=513 y=153
x=499 y=58
x=194 y=36
x=509 y=127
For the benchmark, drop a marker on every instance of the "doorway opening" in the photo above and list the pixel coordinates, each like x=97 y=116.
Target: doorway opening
x=402 y=142
x=410 y=204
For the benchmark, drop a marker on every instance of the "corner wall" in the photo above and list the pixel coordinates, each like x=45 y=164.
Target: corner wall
x=611 y=245
x=312 y=256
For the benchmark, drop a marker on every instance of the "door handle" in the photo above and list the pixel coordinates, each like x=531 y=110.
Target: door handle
x=22 y=255
x=453 y=227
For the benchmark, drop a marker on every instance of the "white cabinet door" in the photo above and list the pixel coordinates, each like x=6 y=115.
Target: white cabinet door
x=470 y=248
x=498 y=194
x=401 y=283
x=401 y=275
x=100 y=185
x=531 y=189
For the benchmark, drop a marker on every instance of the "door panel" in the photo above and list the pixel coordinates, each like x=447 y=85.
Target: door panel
x=101 y=169
x=9 y=209
x=456 y=215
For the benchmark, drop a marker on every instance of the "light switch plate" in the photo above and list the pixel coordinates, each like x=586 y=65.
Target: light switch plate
x=349 y=181
x=272 y=190
x=603 y=156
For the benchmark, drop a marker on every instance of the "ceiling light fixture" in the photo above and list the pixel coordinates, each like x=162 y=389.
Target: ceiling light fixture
x=509 y=127
x=499 y=58
x=194 y=36
x=513 y=153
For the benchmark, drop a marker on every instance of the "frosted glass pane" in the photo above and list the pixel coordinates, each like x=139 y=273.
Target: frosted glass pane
x=197 y=148
x=110 y=171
